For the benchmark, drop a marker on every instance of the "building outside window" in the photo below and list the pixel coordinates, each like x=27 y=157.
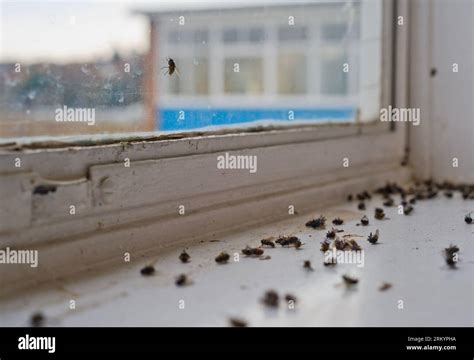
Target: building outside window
x=260 y=61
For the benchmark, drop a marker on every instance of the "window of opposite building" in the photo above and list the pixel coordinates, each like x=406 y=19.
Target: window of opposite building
x=243 y=75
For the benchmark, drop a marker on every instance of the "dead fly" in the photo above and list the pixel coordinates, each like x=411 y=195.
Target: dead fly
x=349 y=197
x=379 y=214
x=468 y=219
x=338 y=221
x=317 y=223
x=451 y=256
x=407 y=210
x=170 y=68
x=270 y=299
x=147 y=270
x=184 y=257
x=237 y=322
x=361 y=206
x=373 y=238
x=349 y=281
x=385 y=286
x=288 y=240
x=325 y=245
x=307 y=265
x=354 y=245
x=222 y=258
x=298 y=244
x=363 y=195
x=448 y=194
x=266 y=242
x=389 y=202
x=182 y=280
x=331 y=234
x=366 y=194
x=37 y=319
x=248 y=251
x=364 y=221
x=339 y=244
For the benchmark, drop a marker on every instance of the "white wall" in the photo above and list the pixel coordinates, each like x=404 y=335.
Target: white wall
x=442 y=34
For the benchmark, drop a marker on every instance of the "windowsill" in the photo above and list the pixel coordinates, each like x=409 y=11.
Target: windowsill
x=312 y=131
x=139 y=202
x=408 y=256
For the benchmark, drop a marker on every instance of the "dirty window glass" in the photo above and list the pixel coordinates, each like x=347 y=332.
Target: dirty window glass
x=252 y=80
x=105 y=67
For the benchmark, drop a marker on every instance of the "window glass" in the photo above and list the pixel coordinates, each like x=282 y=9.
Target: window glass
x=177 y=37
x=253 y=34
x=201 y=76
x=333 y=80
x=256 y=34
x=192 y=77
x=334 y=32
x=292 y=73
x=292 y=33
x=243 y=75
x=230 y=35
x=226 y=61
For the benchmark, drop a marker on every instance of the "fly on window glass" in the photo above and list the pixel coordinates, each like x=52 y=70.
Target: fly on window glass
x=170 y=68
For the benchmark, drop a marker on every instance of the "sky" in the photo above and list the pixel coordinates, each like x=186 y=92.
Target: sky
x=64 y=31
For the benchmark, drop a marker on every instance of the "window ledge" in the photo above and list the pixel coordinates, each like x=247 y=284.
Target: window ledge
x=120 y=209
x=122 y=297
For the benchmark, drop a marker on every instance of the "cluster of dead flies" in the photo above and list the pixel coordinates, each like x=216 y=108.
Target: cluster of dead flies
x=420 y=191
x=342 y=243
x=184 y=257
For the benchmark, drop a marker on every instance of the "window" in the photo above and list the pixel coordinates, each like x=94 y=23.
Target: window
x=192 y=77
x=230 y=35
x=256 y=60
x=248 y=82
x=292 y=74
x=188 y=37
x=334 y=32
x=333 y=80
x=253 y=34
x=243 y=75
x=292 y=33
x=256 y=34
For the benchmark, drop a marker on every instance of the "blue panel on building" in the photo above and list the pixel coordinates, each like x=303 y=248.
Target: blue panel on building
x=199 y=118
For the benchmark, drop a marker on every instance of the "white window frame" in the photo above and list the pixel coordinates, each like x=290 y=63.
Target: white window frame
x=121 y=209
